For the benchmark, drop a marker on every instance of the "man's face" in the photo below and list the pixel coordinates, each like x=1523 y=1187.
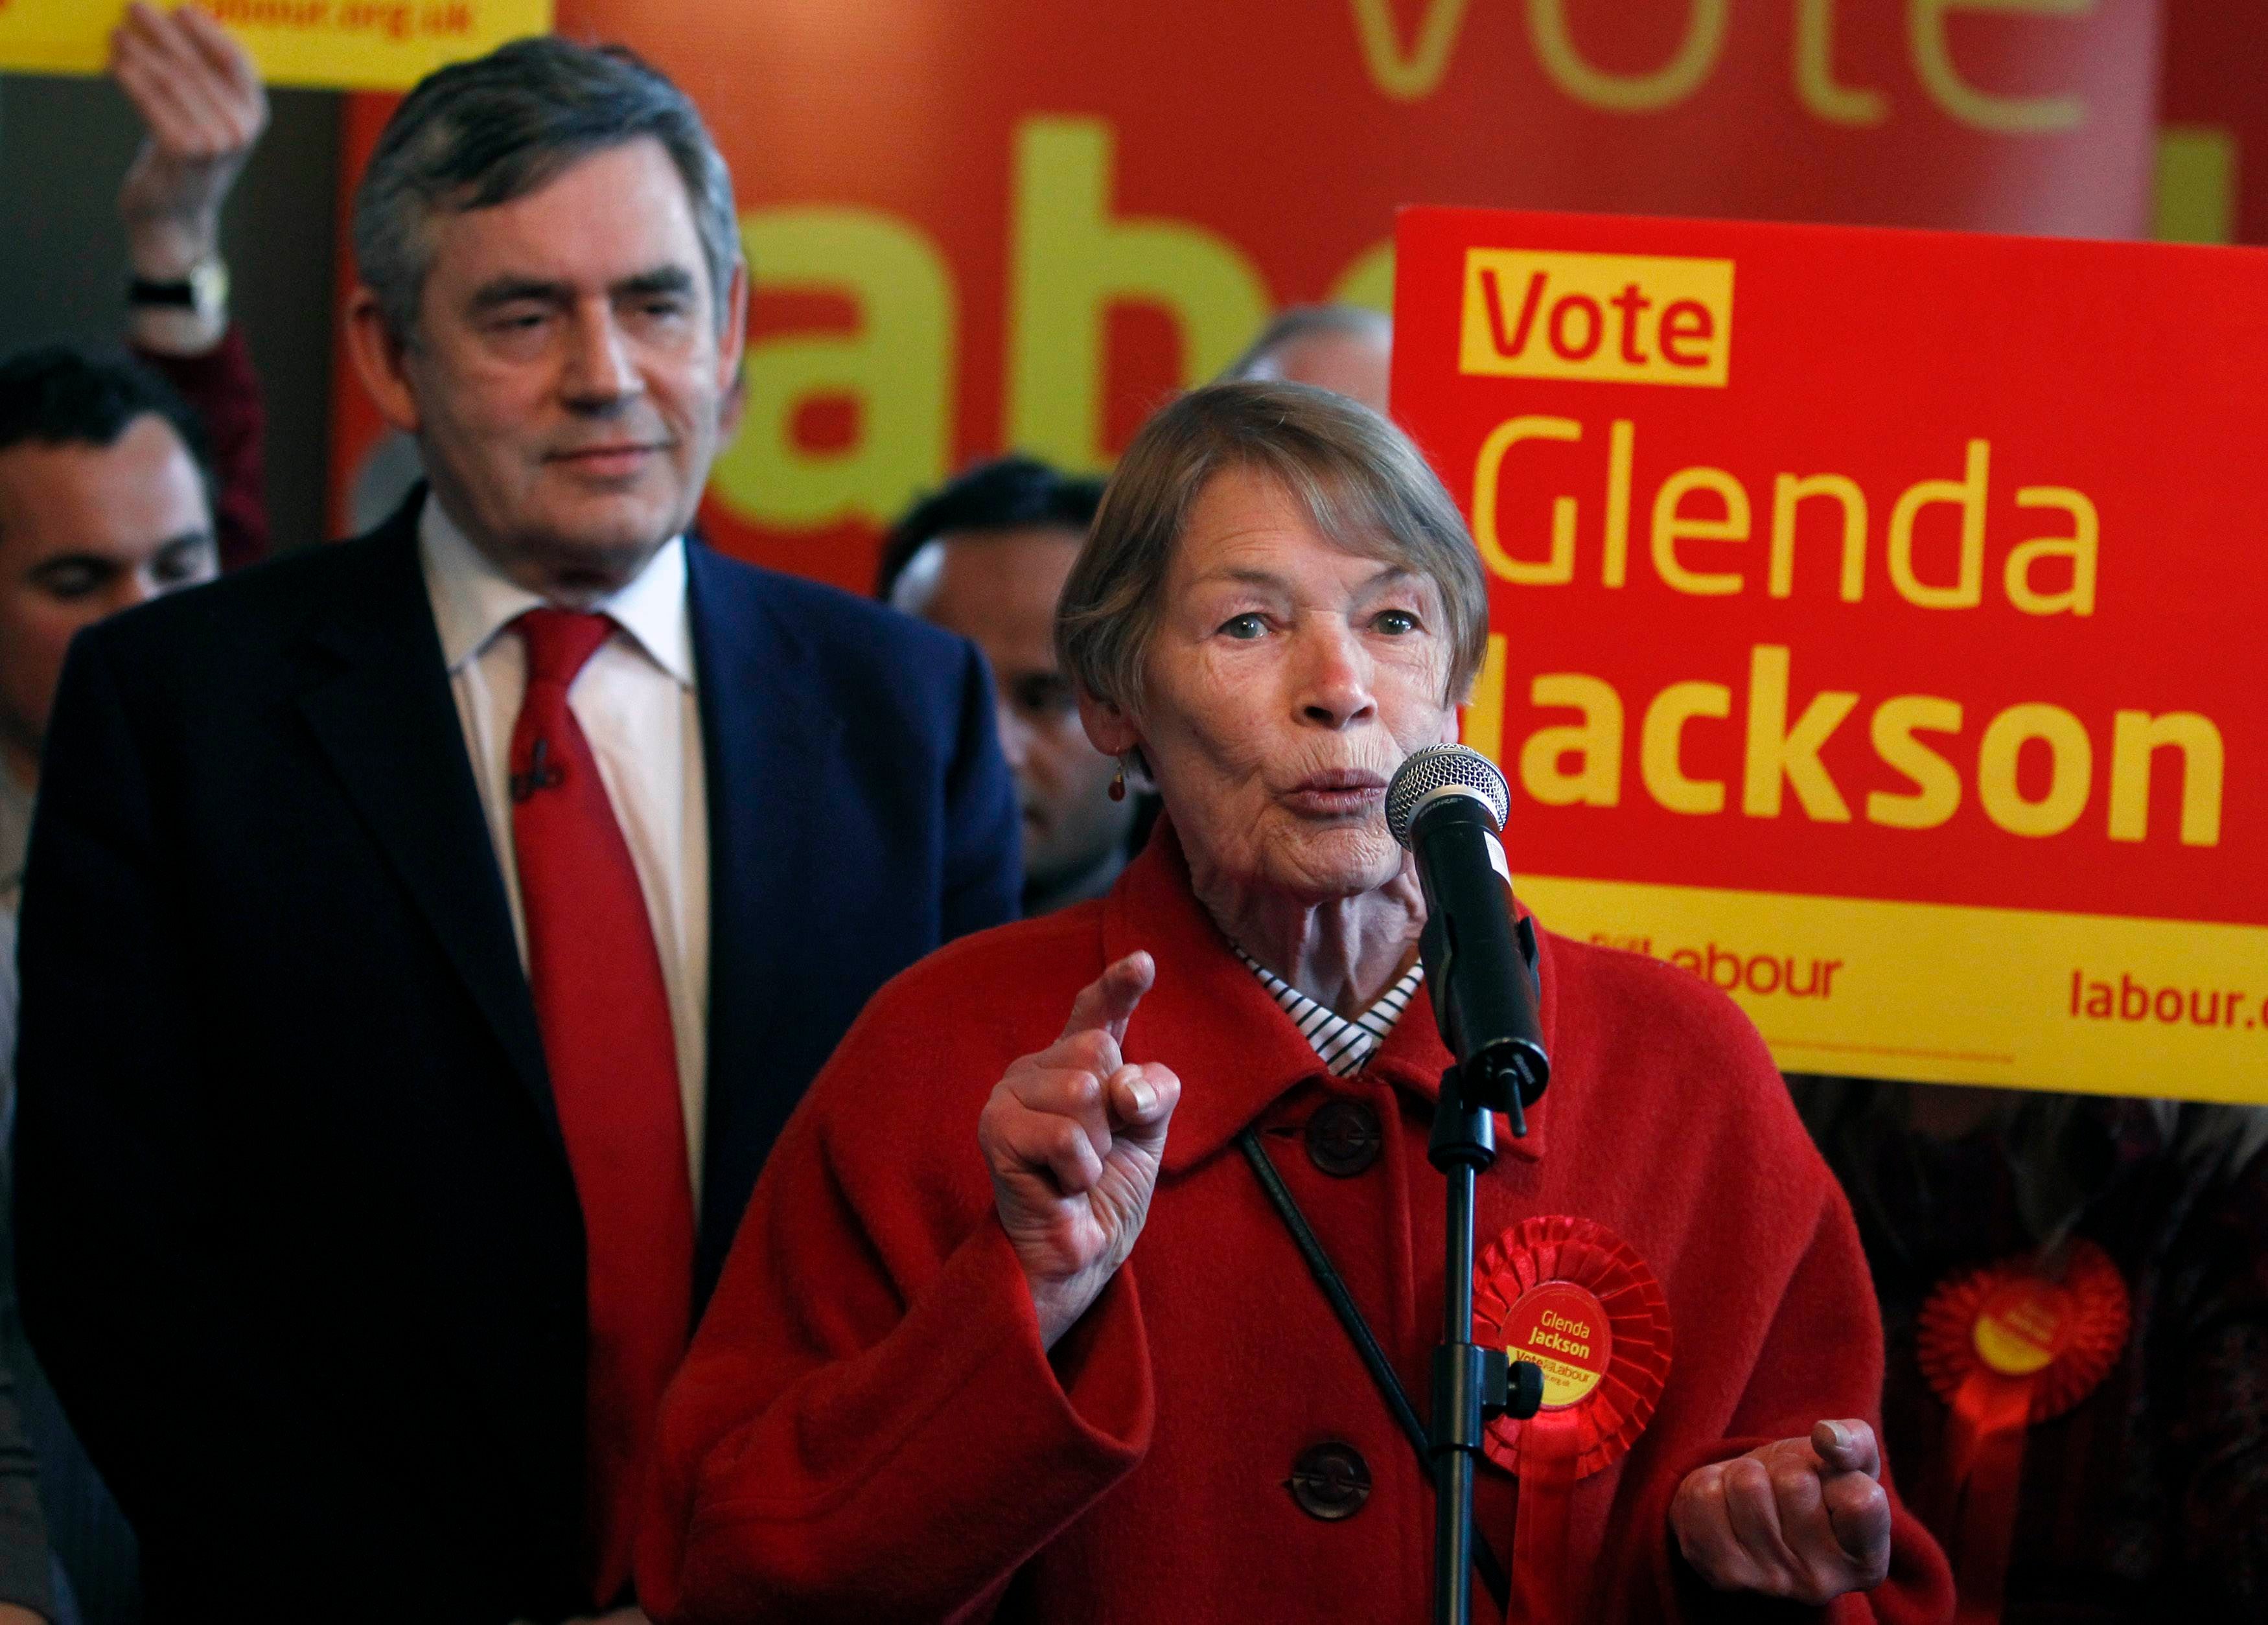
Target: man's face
x=566 y=372
x=999 y=589
x=86 y=531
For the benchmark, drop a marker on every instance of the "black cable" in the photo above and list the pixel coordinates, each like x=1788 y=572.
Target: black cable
x=1366 y=1344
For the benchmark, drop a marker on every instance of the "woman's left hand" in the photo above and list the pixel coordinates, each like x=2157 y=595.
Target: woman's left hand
x=1807 y=1520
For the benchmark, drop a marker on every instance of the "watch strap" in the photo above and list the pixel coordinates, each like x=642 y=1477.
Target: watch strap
x=181 y=295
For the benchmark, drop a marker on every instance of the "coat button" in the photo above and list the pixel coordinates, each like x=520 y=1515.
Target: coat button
x=1343 y=1139
x=1330 y=1481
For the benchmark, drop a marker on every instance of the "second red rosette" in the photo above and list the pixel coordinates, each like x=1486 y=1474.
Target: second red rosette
x=2008 y=1347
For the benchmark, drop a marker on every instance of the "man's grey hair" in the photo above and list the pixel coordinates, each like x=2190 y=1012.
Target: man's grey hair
x=1302 y=321
x=1357 y=478
x=481 y=133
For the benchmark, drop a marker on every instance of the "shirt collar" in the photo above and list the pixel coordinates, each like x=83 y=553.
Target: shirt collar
x=15 y=833
x=1210 y=1020
x=1342 y=1044
x=473 y=600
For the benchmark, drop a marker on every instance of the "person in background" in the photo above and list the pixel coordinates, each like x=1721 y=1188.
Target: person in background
x=488 y=888
x=2143 y=1497
x=204 y=108
x=115 y=488
x=1346 y=349
x=33 y=1589
x=29 y=1592
x=105 y=503
x=986 y=556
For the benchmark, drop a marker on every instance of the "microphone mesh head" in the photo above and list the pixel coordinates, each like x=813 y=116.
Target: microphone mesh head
x=1433 y=768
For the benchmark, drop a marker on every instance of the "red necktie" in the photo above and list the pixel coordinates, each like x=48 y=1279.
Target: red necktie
x=604 y=1011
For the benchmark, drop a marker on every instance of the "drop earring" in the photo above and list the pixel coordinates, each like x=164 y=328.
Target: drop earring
x=1119 y=784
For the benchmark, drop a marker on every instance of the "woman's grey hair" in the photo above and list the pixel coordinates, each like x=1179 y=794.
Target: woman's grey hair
x=1360 y=481
x=481 y=133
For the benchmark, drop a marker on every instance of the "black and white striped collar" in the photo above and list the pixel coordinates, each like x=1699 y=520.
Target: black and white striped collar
x=1345 y=1045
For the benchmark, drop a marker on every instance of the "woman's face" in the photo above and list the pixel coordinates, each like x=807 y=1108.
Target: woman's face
x=1286 y=680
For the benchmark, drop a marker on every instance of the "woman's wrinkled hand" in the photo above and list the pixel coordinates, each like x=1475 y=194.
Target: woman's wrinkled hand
x=1803 y=1519
x=1073 y=1137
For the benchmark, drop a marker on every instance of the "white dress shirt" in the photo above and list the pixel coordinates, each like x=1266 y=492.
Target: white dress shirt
x=16 y=799
x=638 y=705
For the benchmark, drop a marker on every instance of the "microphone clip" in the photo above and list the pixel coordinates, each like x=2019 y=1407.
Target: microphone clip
x=542 y=773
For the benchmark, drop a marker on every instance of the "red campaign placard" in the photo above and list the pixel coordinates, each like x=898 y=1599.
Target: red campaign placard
x=1879 y=623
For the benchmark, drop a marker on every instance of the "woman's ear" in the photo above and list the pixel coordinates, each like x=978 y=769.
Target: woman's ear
x=1109 y=728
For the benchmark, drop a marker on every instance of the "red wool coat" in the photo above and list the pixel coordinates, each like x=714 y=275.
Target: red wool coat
x=867 y=1428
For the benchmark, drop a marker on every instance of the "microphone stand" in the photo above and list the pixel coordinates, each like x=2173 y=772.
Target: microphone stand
x=1472 y=1385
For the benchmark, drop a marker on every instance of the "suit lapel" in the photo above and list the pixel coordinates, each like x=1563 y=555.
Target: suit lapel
x=380 y=708
x=765 y=754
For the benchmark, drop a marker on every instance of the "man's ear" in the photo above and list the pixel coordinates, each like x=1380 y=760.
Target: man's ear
x=1108 y=729
x=380 y=361
x=732 y=337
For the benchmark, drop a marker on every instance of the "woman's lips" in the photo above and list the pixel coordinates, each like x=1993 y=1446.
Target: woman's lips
x=1336 y=795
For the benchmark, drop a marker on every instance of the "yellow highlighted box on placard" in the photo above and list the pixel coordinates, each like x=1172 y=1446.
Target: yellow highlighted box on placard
x=1606 y=318
x=1938 y=993
x=339 y=44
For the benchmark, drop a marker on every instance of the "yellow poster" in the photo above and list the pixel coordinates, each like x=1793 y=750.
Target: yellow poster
x=1901 y=683
x=339 y=44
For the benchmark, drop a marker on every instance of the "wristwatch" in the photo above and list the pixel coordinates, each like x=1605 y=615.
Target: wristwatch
x=204 y=292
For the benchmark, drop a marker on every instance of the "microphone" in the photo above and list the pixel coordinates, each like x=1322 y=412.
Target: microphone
x=1447 y=804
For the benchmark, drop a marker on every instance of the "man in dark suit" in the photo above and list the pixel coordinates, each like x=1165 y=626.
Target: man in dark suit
x=425 y=937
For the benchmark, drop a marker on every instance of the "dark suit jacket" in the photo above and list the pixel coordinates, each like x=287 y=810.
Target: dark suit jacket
x=299 y=1243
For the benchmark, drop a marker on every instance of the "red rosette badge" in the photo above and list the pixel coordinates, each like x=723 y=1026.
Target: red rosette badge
x=2008 y=1347
x=1574 y=1297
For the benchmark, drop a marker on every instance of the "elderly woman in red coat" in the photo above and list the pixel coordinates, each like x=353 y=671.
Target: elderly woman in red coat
x=1013 y=1329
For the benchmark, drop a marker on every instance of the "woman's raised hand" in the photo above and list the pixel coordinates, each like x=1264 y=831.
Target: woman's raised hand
x=1073 y=1137
x=1803 y=1519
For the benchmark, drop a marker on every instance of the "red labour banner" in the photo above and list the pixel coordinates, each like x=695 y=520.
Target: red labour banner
x=1876 y=624
x=1020 y=223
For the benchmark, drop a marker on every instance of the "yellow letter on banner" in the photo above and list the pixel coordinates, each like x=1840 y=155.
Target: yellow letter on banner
x=1615 y=92
x=1596 y=742
x=2081 y=547
x=1482 y=725
x=1787 y=493
x=1419 y=75
x=2071 y=771
x=1967 y=493
x=1661 y=747
x=1071 y=262
x=2007 y=115
x=1815 y=70
x=1779 y=754
x=1936 y=795
x=1672 y=525
x=1558 y=569
x=897 y=366
x=2136 y=737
